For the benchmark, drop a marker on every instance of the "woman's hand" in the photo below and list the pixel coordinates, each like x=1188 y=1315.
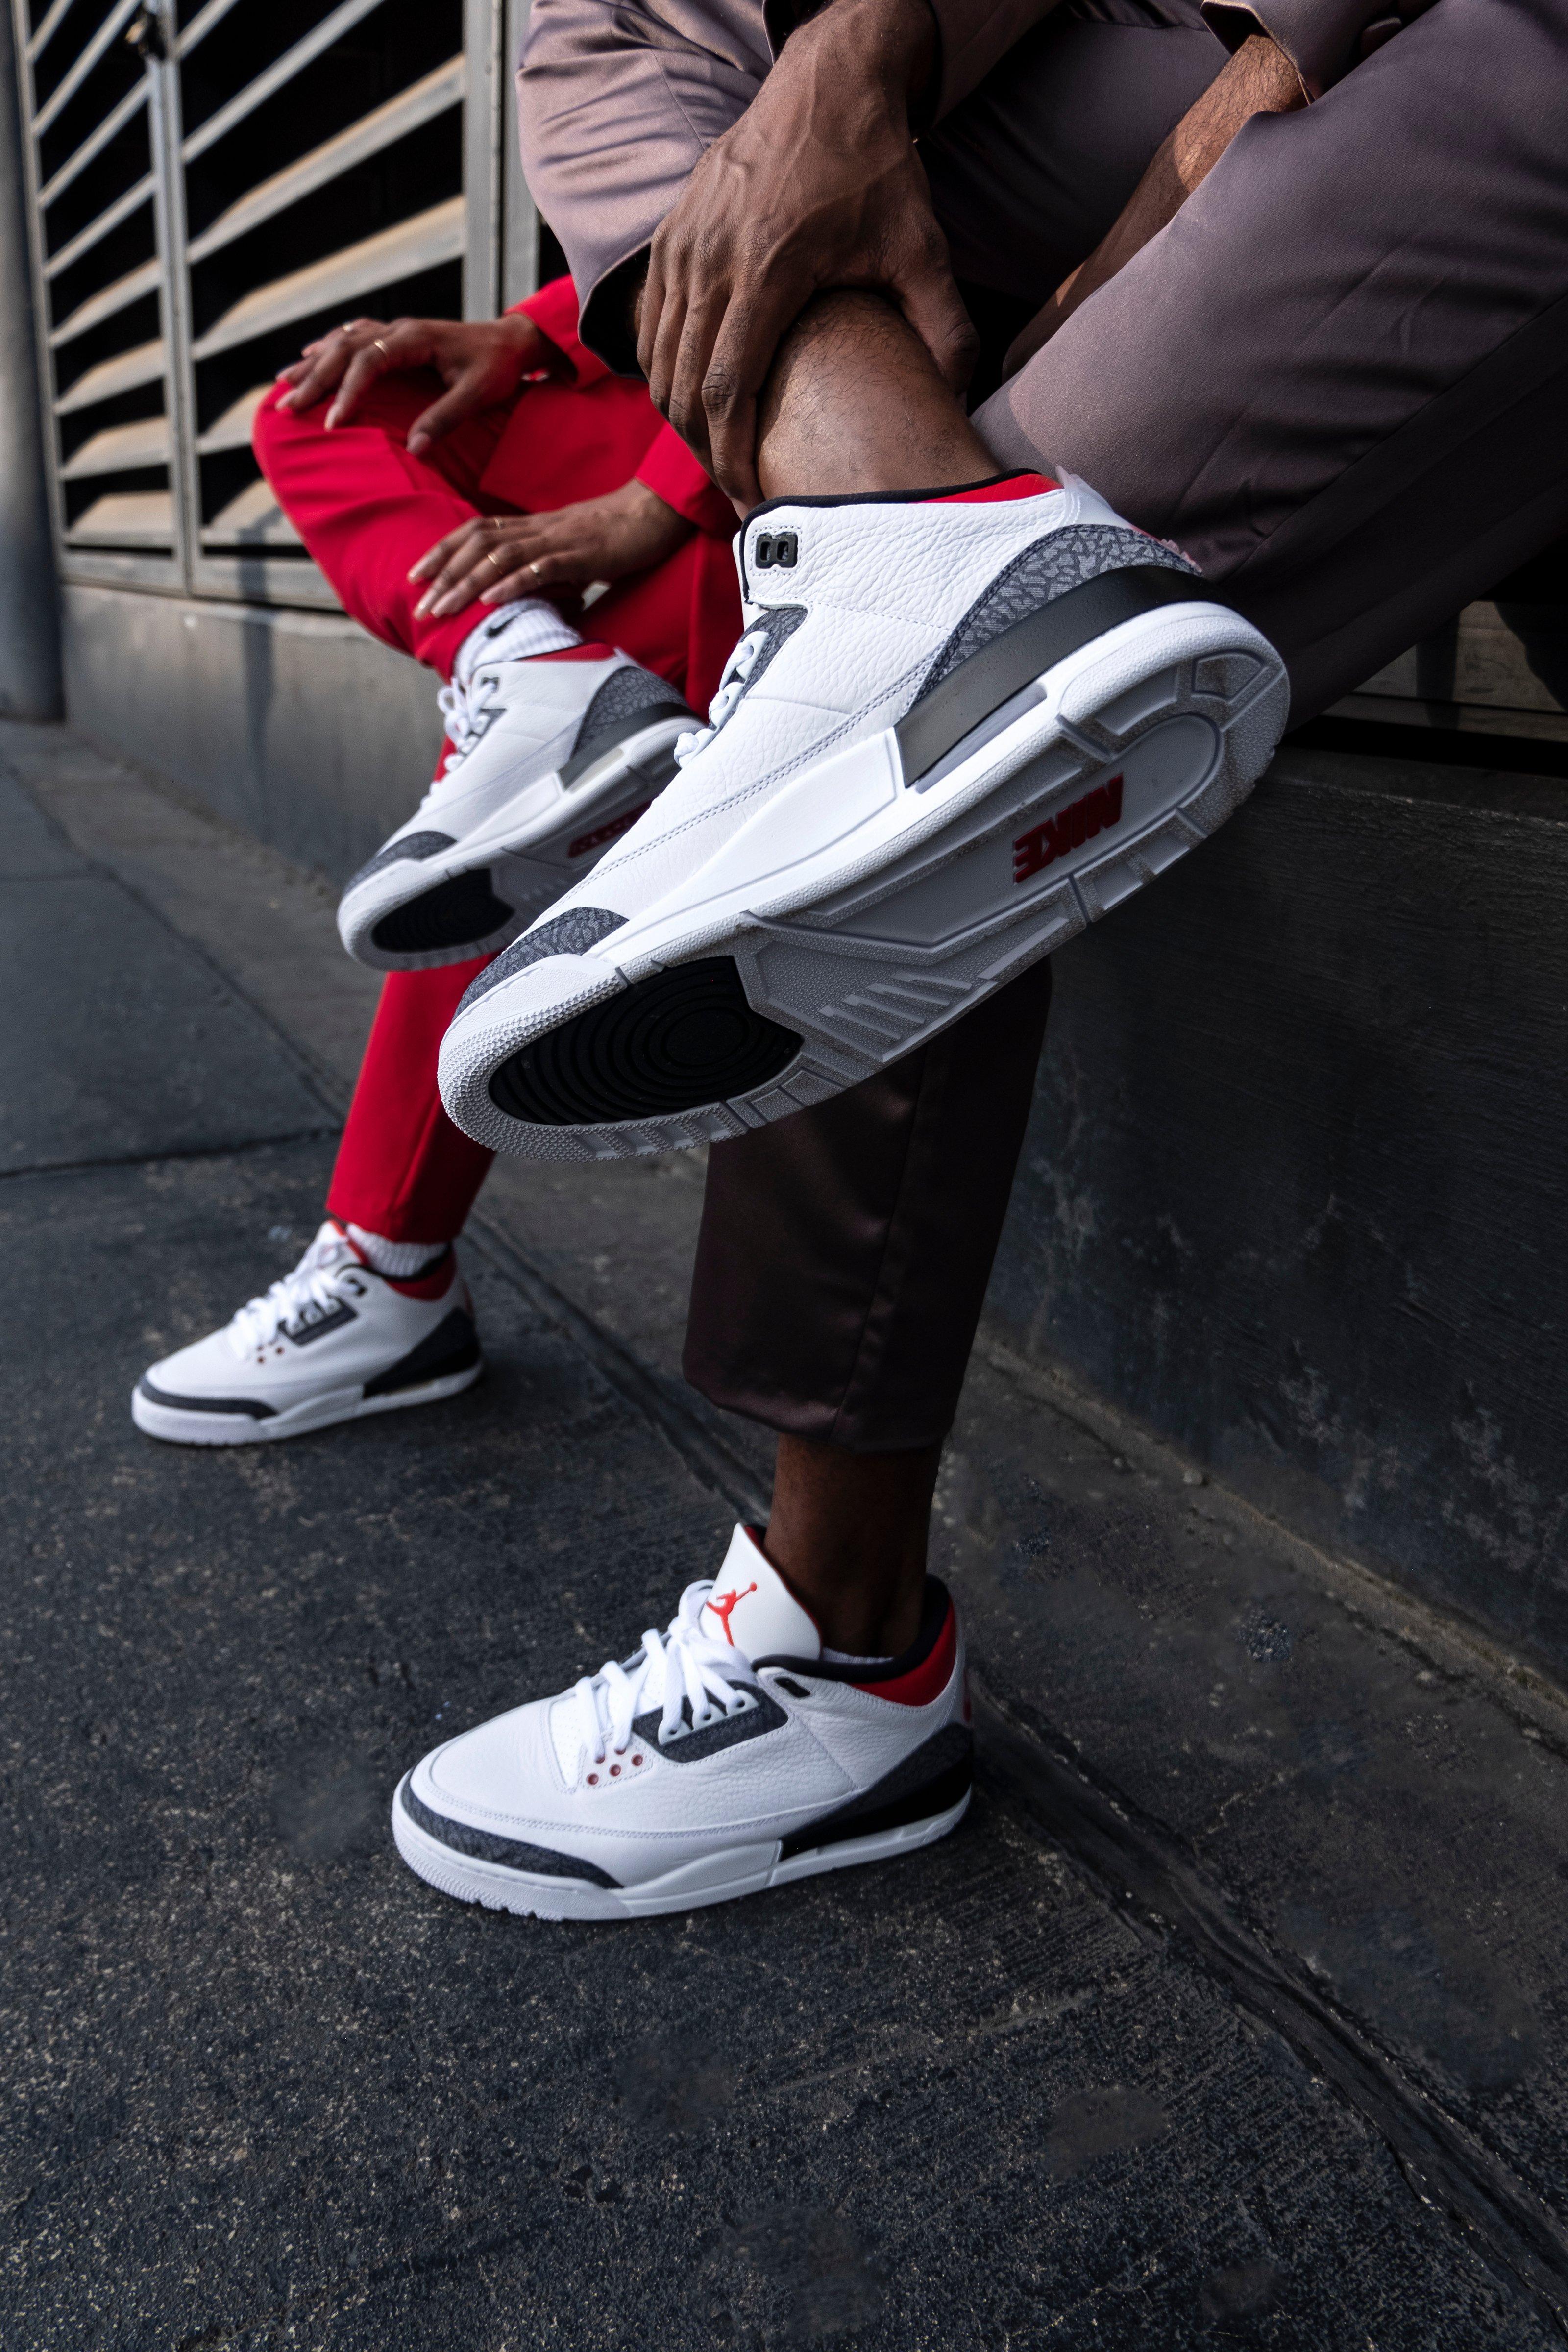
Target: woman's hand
x=482 y=361
x=497 y=557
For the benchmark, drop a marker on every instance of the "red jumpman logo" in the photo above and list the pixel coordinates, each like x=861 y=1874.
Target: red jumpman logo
x=724 y=1607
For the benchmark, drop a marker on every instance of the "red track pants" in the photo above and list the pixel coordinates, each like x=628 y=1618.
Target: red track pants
x=367 y=510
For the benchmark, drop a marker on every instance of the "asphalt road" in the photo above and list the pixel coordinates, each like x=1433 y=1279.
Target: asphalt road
x=265 y=2089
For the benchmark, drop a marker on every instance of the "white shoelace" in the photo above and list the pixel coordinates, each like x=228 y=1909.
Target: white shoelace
x=695 y=1668
x=517 y=632
x=468 y=713
x=731 y=686
x=306 y=1295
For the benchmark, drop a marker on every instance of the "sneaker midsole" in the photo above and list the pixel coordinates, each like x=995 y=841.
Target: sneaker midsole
x=876 y=818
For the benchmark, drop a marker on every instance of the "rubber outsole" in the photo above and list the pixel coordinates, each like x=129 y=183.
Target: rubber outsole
x=446 y=918
x=645 y=1052
x=724 y=1877
x=177 y=1428
x=1091 y=785
x=475 y=897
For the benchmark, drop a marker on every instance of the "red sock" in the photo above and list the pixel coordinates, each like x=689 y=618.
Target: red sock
x=578 y=653
x=1005 y=486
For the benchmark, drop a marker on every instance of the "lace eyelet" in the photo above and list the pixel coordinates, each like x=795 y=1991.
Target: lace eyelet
x=637 y=1759
x=615 y=1771
x=593 y=1779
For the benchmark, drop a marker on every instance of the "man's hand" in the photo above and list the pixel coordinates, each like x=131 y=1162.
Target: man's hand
x=817 y=186
x=497 y=557
x=481 y=360
x=1259 y=80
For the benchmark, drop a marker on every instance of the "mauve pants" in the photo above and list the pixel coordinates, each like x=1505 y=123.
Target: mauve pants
x=1337 y=379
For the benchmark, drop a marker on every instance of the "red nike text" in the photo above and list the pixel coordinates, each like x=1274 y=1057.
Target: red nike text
x=1044 y=843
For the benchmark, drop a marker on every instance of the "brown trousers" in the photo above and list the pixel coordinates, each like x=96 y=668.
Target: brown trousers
x=1338 y=379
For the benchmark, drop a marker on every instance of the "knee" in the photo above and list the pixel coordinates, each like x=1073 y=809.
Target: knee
x=272 y=426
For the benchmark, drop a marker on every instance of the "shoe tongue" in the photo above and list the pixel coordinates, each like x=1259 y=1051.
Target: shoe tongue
x=331 y=1244
x=754 y=1610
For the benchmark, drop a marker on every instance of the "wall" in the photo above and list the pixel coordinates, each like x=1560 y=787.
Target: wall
x=1294 y=1187
x=294 y=726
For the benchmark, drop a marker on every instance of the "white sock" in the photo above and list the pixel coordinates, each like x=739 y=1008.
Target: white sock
x=400 y=1260
x=515 y=632
x=849 y=1658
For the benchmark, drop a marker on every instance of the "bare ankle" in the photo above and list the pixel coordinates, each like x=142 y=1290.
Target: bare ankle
x=855 y=403
x=847 y=1534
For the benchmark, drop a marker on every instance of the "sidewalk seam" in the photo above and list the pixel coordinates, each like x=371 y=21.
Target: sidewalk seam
x=162 y=1159
x=1139 y=1870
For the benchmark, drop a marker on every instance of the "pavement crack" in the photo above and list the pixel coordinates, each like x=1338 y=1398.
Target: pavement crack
x=1138 y=1866
x=166 y=1158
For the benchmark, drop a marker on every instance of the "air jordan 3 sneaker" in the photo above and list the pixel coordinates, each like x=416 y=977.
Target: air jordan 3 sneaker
x=334 y=1341
x=550 y=761
x=725 y=1756
x=956 y=730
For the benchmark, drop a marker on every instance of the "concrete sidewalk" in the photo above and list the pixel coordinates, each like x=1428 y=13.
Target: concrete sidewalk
x=1232 y=2015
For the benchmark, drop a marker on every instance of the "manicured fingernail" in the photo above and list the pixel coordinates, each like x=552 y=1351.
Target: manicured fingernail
x=423 y=603
x=416 y=442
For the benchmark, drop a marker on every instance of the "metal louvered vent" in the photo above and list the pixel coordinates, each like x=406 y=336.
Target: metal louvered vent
x=213 y=182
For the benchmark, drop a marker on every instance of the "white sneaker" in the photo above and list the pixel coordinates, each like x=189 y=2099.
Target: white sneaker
x=551 y=760
x=950 y=736
x=332 y=1342
x=727 y=1755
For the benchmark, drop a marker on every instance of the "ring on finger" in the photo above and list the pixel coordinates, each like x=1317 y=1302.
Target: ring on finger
x=492 y=556
x=377 y=346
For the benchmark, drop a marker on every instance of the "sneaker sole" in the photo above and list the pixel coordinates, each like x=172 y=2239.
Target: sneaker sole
x=1073 y=794
x=716 y=1878
x=181 y=1428
x=474 y=897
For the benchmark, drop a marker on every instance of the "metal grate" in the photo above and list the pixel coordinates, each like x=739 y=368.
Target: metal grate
x=211 y=185
x=212 y=181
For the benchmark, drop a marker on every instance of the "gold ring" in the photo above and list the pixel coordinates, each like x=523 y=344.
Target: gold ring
x=493 y=557
x=377 y=346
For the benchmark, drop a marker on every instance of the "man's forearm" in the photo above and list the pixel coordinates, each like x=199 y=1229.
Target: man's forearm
x=1259 y=80
x=817 y=186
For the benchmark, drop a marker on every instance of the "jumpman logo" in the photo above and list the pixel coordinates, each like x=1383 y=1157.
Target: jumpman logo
x=724 y=1608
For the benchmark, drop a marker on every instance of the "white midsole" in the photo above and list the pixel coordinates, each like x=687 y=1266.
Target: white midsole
x=572 y=804
x=317 y=1412
x=670 y=931
x=518 y=836
x=719 y=1877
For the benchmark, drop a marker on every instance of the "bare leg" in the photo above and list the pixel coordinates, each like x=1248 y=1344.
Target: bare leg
x=855 y=403
x=848 y=1535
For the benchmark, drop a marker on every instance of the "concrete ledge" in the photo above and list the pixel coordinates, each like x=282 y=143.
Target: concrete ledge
x=1292 y=1192
x=295 y=727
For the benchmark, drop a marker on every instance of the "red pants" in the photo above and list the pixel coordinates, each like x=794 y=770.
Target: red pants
x=367 y=510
